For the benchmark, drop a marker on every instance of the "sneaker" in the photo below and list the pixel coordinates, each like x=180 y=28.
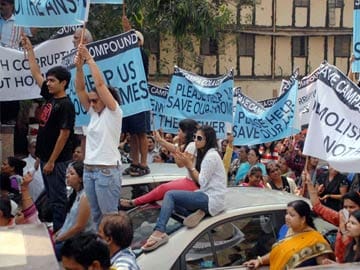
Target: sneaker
x=129 y=169
x=193 y=219
x=140 y=171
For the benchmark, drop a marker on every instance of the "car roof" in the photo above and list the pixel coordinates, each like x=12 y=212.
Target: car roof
x=242 y=197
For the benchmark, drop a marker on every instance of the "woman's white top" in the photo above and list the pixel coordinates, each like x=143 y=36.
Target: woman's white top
x=212 y=180
x=103 y=137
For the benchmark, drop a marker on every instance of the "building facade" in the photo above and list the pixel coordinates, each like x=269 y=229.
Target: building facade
x=266 y=42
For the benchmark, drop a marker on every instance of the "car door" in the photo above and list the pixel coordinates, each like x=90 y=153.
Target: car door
x=232 y=242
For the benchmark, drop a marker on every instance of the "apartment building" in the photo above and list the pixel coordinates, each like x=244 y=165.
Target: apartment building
x=266 y=42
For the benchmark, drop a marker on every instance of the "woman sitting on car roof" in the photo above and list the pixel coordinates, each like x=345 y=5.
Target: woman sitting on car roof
x=187 y=129
x=209 y=173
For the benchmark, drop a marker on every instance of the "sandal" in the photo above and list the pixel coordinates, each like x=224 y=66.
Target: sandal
x=158 y=241
x=140 y=171
x=129 y=169
x=127 y=203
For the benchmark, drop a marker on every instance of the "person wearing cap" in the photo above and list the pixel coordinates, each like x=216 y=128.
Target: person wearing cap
x=138 y=125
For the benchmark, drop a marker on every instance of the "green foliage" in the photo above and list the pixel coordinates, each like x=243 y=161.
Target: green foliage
x=178 y=17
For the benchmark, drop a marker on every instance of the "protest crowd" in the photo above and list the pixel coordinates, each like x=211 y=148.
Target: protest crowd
x=94 y=126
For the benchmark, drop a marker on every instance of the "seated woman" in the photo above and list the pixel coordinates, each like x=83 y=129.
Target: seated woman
x=277 y=181
x=302 y=246
x=253 y=160
x=78 y=218
x=187 y=129
x=351 y=203
x=12 y=168
x=26 y=212
x=209 y=172
x=253 y=178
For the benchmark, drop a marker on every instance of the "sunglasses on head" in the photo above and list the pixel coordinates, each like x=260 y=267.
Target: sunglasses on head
x=198 y=138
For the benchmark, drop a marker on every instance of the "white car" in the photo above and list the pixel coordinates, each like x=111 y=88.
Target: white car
x=247 y=228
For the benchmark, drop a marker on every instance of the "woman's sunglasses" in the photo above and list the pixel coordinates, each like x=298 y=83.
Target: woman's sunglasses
x=198 y=138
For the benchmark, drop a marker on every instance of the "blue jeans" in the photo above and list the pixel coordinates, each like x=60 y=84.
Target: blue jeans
x=55 y=188
x=58 y=246
x=183 y=202
x=102 y=187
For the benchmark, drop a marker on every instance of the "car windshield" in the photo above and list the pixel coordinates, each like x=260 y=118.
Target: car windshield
x=144 y=220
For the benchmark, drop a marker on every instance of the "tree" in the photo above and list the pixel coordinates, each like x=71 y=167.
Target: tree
x=181 y=19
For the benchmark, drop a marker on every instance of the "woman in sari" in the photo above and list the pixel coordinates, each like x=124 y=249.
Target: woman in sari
x=302 y=246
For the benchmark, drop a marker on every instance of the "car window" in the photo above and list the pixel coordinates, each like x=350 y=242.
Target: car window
x=233 y=242
x=144 y=220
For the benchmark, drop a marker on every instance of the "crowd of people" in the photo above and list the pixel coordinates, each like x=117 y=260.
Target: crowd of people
x=81 y=175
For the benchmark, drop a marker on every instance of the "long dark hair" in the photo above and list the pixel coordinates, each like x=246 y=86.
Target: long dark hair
x=352 y=196
x=78 y=166
x=352 y=255
x=17 y=164
x=189 y=127
x=210 y=137
x=303 y=209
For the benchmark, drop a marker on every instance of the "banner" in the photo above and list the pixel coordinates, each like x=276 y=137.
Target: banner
x=16 y=81
x=50 y=13
x=106 y=1
x=119 y=59
x=356 y=37
x=247 y=103
x=169 y=124
x=254 y=125
x=200 y=98
x=306 y=96
x=334 y=129
x=267 y=103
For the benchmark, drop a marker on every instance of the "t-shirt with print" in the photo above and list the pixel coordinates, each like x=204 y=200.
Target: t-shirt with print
x=57 y=114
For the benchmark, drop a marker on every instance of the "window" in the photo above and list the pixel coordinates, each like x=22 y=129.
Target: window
x=336 y=3
x=301 y=3
x=246 y=45
x=209 y=46
x=299 y=46
x=235 y=241
x=342 y=46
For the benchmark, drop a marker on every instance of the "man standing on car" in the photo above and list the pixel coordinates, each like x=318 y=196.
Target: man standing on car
x=56 y=129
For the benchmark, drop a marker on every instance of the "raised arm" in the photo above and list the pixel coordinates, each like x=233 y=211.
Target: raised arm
x=228 y=153
x=101 y=88
x=80 y=82
x=125 y=23
x=34 y=67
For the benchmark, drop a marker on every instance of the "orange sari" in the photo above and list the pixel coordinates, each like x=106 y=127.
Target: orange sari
x=294 y=250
